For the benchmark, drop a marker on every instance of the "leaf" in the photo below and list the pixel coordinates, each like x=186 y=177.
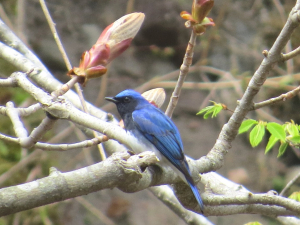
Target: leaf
x=277 y=131
x=272 y=141
x=282 y=149
x=295 y=140
x=246 y=125
x=257 y=133
x=204 y=110
x=216 y=111
x=208 y=113
x=292 y=129
x=212 y=110
x=295 y=196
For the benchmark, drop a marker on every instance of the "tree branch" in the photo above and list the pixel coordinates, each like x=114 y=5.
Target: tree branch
x=280 y=98
x=124 y=171
x=184 y=69
x=215 y=158
x=291 y=54
x=114 y=171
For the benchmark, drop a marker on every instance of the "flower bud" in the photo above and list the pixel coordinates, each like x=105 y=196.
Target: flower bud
x=114 y=40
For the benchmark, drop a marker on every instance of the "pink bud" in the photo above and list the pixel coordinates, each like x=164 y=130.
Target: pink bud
x=118 y=35
x=114 y=40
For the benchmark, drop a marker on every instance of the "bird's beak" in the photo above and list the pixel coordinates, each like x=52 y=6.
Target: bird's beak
x=111 y=99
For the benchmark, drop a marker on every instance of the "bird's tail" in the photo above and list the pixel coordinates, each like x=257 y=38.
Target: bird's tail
x=196 y=193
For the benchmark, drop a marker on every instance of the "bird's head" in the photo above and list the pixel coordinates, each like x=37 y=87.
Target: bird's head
x=127 y=101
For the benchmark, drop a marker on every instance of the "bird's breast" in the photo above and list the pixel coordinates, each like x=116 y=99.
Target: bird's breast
x=141 y=144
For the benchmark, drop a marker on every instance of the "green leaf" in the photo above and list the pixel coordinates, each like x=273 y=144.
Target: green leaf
x=205 y=109
x=292 y=129
x=246 y=125
x=208 y=113
x=295 y=196
x=295 y=139
x=282 y=149
x=257 y=134
x=272 y=141
x=212 y=110
x=217 y=111
x=276 y=130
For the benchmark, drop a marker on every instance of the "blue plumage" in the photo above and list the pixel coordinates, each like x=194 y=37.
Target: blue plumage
x=151 y=126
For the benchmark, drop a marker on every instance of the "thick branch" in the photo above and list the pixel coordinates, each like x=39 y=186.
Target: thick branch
x=114 y=171
x=120 y=170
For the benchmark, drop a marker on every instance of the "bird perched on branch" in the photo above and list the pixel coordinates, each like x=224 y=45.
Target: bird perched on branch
x=151 y=127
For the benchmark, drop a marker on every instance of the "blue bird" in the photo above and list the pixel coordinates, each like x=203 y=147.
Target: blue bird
x=156 y=131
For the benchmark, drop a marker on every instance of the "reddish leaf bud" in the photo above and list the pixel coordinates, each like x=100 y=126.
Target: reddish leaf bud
x=198 y=20
x=114 y=40
x=201 y=8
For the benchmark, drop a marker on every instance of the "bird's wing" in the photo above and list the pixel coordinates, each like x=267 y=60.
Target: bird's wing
x=161 y=132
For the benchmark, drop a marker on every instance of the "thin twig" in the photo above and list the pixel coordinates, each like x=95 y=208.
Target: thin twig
x=282 y=97
x=291 y=54
x=5 y=18
x=38 y=132
x=289 y=184
x=102 y=91
x=55 y=34
x=129 y=6
x=21 y=19
x=62 y=50
x=184 y=69
x=86 y=151
x=96 y=212
x=29 y=110
x=18 y=126
x=69 y=66
x=14 y=169
x=65 y=147
x=288 y=47
x=8 y=82
x=65 y=87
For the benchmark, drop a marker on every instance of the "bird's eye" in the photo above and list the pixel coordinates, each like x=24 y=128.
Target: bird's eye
x=126 y=99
